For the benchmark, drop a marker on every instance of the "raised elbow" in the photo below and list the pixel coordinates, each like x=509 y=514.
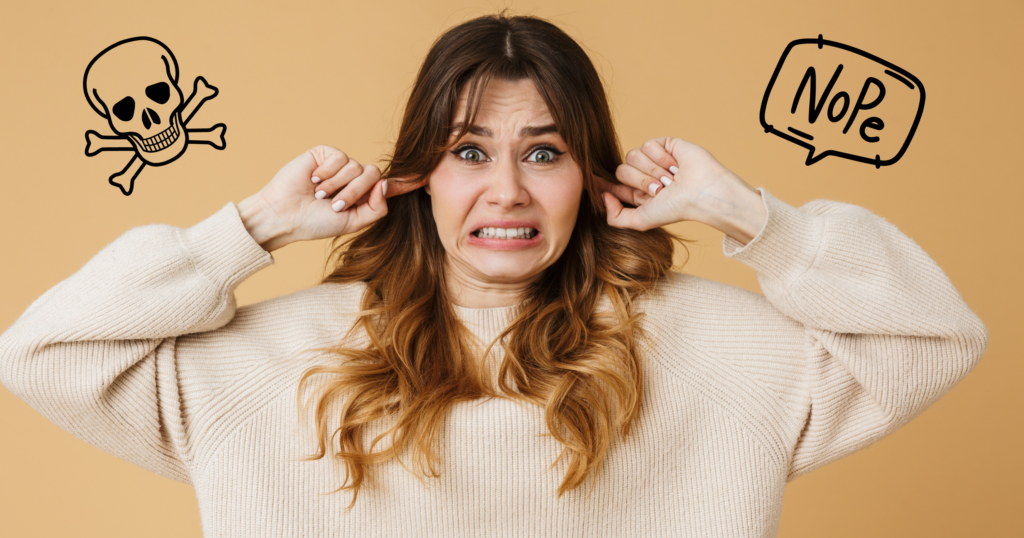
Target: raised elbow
x=971 y=344
x=12 y=365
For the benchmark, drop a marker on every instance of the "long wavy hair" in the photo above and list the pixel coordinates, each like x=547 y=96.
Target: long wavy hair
x=559 y=352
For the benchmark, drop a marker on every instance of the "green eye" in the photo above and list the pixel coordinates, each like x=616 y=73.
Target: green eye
x=470 y=154
x=544 y=156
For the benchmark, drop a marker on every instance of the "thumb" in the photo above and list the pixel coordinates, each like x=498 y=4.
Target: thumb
x=617 y=213
x=404 y=184
x=374 y=209
x=620 y=216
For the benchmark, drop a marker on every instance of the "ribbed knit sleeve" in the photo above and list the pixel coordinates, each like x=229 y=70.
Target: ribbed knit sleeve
x=887 y=334
x=96 y=353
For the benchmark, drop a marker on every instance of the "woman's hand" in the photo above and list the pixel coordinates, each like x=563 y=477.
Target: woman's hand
x=691 y=185
x=291 y=207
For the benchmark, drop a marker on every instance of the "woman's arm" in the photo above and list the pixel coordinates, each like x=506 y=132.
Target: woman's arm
x=886 y=333
x=96 y=353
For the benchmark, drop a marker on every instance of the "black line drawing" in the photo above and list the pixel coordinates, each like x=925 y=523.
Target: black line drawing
x=133 y=84
x=870 y=129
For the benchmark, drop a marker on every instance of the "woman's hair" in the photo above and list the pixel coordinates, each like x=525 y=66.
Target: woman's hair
x=560 y=354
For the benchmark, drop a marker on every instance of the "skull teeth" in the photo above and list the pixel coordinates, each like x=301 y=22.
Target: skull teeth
x=163 y=139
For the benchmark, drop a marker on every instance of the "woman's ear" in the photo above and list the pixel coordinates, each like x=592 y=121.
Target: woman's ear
x=427 y=188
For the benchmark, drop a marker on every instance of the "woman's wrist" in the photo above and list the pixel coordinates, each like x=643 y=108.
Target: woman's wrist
x=741 y=215
x=267 y=232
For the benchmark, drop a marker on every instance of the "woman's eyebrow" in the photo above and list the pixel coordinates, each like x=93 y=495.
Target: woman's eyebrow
x=523 y=133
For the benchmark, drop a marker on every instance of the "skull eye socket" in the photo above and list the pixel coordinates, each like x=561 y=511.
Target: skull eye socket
x=125 y=109
x=159 y=92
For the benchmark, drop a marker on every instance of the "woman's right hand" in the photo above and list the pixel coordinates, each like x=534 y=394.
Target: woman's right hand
x=287 y=209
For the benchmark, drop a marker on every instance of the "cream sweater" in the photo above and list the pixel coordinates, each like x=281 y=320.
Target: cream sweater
x=144 y=353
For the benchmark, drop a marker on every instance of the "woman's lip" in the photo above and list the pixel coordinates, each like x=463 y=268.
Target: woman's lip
x=507 y=224
x=492 y=243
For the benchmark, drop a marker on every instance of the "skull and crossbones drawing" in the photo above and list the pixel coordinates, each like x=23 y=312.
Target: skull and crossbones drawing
x=133 y=84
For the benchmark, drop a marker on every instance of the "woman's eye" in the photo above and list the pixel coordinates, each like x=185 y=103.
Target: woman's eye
x=545 y=155
x=470 y=154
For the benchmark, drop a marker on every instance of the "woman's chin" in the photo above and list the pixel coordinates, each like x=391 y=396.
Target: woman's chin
x=506 y=265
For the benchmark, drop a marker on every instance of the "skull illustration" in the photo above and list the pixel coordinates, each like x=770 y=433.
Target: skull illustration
x=134 y=85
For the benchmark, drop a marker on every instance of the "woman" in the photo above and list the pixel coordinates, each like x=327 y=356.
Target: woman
x=686 y=404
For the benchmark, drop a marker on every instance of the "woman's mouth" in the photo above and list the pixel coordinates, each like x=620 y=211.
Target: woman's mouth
x=505 y=238
x=506 y=233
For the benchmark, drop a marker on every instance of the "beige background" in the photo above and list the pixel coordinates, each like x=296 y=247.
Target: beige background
x=295 y=75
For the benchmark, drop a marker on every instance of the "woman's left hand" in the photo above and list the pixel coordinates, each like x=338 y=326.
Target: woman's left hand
x=691 y=185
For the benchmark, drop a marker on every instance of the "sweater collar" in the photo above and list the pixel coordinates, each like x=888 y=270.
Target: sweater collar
x=486 y=323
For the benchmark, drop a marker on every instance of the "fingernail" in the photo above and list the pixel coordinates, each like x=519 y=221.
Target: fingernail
x=673 y=169
x=384 y=187
x=320 y=194
x=316 y=179
x=654 y=188
x=338 y=205
x=666 y=181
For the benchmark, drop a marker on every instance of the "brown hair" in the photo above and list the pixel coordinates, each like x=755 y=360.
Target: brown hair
x=560 y=353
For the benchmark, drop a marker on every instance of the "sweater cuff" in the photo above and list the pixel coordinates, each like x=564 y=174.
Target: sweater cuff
x=786 y=246
x=223 y=250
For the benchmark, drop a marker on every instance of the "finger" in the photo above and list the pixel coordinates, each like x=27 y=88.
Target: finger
x=680 y=149
x=396 y=186
x=659 y=155
x=619 y=216
x=347 y=197
x=629 y=175
x=641 y=161
x=623 y=192
x=364 y=198
x=331 y=185
x=329 y=160
x=404 y=184
x=374 y=208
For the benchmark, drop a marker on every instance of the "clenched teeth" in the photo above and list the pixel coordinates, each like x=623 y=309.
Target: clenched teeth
x=506 y=233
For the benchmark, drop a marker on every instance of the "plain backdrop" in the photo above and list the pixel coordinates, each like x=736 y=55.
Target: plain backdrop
x=296 y=74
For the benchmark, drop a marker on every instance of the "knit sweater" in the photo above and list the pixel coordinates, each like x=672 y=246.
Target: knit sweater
x=144 y=353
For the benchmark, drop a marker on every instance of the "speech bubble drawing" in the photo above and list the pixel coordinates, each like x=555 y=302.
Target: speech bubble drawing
x=834 y=99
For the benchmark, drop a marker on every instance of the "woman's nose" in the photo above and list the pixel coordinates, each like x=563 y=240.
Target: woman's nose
x=505 y=186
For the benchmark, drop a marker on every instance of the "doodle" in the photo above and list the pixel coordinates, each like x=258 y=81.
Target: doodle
x=133 y=84
x=895 y=108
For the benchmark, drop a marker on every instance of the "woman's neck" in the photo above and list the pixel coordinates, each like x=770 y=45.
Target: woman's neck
x=469 y=292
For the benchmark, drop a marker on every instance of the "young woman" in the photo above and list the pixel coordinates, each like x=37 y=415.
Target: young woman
x=502 y=314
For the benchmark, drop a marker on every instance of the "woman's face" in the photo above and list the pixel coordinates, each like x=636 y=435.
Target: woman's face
x=510 y=170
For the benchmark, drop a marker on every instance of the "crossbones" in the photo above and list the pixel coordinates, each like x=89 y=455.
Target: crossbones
x=133 y=84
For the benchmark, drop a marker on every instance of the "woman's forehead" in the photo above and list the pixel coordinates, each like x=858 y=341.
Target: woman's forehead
x=501 y=98
x=507 y=109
